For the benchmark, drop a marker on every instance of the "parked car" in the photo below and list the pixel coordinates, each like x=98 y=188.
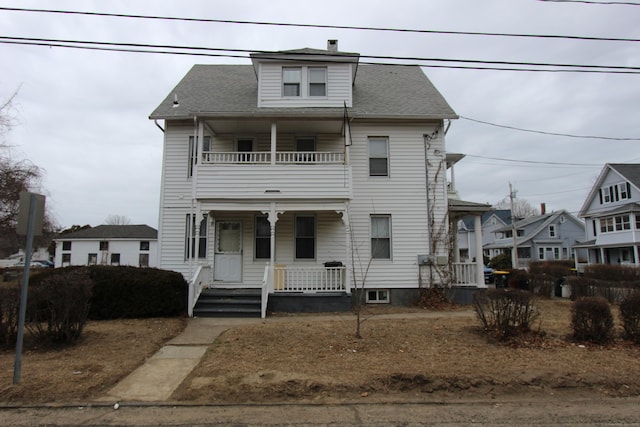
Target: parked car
x=488 y=275
x=35 y=264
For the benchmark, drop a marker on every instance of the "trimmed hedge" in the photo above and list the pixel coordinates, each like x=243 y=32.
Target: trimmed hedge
x=630 y=316
x=130 y=292
x=612 y=291
x=9 y=309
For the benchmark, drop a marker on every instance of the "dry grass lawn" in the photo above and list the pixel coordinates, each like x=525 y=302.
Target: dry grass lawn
x=406 y=356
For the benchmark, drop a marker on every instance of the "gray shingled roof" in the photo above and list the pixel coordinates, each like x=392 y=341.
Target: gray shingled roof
x=105 y=232
x=379 y=91
x=631 y=171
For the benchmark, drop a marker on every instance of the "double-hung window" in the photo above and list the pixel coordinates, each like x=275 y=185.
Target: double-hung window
x=317 y=81
x=381 y=236
x=305 y=231
x=291 y=80
x=190 y=238
x=552 y=230
x=263 y=238
x=378 y=156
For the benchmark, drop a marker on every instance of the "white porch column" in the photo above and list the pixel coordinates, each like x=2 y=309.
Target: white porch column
x=273 y=143
x=272 y=217
x=477 y=225
x=456 y=248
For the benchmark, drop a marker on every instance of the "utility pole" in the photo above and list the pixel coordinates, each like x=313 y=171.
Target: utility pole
x=514 y=231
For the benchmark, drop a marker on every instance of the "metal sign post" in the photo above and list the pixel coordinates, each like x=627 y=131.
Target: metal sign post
x=29 y=223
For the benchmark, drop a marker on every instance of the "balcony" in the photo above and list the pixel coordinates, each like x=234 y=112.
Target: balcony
x=263 y=175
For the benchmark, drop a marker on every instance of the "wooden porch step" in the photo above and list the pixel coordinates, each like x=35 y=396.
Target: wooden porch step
x=220 y=302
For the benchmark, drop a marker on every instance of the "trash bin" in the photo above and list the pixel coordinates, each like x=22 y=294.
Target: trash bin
x=329 y=264
x=501 y=278
x=279 y=276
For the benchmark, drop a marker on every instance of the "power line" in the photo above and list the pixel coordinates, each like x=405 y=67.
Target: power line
x=608 y=138
x=200 y=51
x=534 y=161
x=338 y=27
x=616 y=3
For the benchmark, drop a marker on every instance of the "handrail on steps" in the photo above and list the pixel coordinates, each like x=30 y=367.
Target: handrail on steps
x=267 y=287
x=196 y=284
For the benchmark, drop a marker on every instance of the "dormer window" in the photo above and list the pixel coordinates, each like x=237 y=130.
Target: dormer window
x=291 y=78
x=317 y=81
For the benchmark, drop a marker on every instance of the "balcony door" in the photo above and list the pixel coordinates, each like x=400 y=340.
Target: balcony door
x=244 y=145
x=228 y=253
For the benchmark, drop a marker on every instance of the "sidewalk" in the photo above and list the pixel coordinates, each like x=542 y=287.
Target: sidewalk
x=163 y=372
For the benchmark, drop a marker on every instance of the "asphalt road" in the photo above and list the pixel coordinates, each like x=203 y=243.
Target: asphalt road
x=536 y=412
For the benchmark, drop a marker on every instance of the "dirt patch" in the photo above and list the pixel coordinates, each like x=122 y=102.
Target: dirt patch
x=420 y=357
x=106 y=353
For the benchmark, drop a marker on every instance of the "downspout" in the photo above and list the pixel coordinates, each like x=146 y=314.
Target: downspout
x=159 y=127
x=426 y=189
x=190 y=248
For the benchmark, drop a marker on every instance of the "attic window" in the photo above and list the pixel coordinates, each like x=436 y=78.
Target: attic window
x=317 y=82
x=291 y=78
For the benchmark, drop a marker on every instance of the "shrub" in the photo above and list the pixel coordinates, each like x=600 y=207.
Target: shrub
x=58 y=305
x=130 y=292
x=505 y=313
x=500 y=262
x=9 y=309
x=612 y=291
x=556 y=269
x=611 y=272
x=630 y=316
x=591 y=320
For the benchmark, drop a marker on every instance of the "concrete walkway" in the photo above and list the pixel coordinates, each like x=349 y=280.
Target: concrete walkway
x=162 y=373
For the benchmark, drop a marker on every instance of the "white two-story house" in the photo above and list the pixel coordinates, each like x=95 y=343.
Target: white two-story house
x=612 y=216
x=131 y=245
x=304 y=174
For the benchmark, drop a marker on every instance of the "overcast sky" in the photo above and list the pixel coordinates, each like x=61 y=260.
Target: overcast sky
x=83 y=115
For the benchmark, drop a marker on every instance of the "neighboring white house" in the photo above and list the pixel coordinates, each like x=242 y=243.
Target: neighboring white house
x=133 y=245
x=306 y=173
x=612 y=215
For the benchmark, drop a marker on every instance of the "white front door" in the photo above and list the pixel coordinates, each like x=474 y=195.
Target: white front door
x=228 y=253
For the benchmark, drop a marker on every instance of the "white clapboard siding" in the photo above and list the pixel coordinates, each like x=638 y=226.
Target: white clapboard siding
x=338 y=86
x=403 y=195
x=278 y=181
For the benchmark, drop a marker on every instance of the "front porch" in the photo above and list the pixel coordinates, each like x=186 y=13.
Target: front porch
x=283 y=289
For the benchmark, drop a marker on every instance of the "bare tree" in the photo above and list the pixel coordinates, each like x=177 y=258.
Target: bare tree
x=522 y=208
x=114 y=219
x=16 y=176
x=8 y=114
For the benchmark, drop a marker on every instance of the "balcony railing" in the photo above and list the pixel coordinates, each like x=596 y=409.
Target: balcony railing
x=282 y=157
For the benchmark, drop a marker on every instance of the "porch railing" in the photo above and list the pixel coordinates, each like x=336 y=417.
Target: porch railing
x=199 y=281
x=282 y=157
x=464 y=274
x=308 y=279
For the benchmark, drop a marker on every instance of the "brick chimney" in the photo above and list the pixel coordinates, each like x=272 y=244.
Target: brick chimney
x=543 y=208
x=332 y=45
